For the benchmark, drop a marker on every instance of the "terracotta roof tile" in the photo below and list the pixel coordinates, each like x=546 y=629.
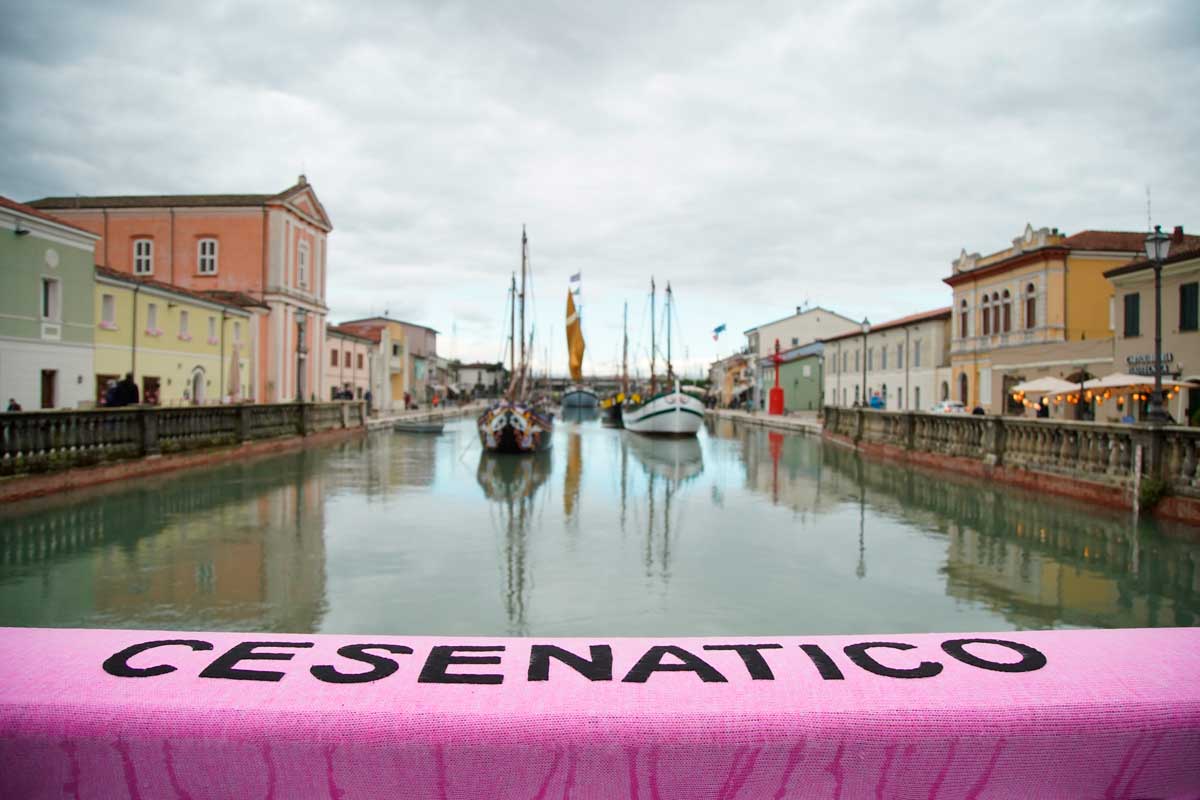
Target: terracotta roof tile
x=206 y=297
x=33 y=212
x=344 y=330
x=921 y=316
x=163 y=200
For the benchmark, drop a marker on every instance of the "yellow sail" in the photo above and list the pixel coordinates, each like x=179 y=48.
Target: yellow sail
x=574 y=339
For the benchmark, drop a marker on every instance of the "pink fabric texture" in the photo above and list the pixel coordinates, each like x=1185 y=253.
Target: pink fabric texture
x=156 y=714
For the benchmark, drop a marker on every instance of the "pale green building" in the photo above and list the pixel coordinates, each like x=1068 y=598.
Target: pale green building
x=47 y=279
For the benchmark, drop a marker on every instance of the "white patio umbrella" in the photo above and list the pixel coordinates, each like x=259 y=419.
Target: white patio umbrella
x=1046 y=385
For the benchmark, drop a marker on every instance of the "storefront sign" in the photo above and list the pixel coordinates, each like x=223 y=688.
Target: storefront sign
x=1143 y=364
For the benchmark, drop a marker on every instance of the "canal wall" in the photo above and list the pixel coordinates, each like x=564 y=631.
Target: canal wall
x=1108 y=465
x=44 y=452
x=1015 y=714
x=803 y=422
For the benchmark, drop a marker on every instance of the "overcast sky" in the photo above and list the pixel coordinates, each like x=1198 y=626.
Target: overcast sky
x=757 y=155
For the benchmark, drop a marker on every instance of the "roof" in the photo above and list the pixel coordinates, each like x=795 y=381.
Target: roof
x=373 y=334
x=1189 y=250
x=13 y=205
x=911 y=319
x=803 y=351
x=235 y=298
x=349 y=333
x=1108 y=241
x=204 y=297
x=482 y=365
x=798 y=314
x=176 y=200
x=365 y=321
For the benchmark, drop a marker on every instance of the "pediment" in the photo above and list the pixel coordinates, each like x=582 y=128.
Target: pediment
x=302 y=201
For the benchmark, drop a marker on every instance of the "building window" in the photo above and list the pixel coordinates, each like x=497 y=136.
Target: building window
x=396 y=350
x=917 y=398
x=1189 y=300
x=302 y=265
x=152 y=318
x=183 y=326
x=845 y=361
x=1133 y=314
x=962 y=388
x=360 y=361
x=1030 y=306
x=1007 y=306
x=995 y=312
x=985 y=315
x=208 y=256
x=795 y=341
x=143 y=256
x=916 y=355
x=883 y=357
x=870 y=359
x=51 y=299
x=962 y=320
x=899 y=356
x=212 y=330
x=333 y=357
x=347 y=360
x=108 y=312
x=856 y=361
x=237 y=332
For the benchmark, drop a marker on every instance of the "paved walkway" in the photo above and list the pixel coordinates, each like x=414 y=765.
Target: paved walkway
x=424 y=415
x=799 y=421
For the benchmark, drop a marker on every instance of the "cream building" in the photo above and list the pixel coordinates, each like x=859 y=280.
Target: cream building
x=907 y=363
x=805 y=326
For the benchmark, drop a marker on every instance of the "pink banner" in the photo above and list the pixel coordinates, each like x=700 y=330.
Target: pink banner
x=155 y=714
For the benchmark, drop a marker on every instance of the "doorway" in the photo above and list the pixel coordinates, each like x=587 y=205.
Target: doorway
x=49 y=388
x=197 y=385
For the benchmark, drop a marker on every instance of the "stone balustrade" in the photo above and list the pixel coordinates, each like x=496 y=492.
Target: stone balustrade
x=41 y=441
x=1095 y=452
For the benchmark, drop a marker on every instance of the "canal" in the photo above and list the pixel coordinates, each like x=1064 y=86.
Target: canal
x=743 y=531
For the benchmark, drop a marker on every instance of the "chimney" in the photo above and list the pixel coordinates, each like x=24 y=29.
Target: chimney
x=1177 y=236
x=303 y=181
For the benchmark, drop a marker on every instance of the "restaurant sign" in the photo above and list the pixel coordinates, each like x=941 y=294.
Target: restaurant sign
x=1143 y=364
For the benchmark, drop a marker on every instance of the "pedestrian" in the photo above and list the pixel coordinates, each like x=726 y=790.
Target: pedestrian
x=13 y=405
x=979 y=412
x=367 y=397
x=110 y=394
x=127 y=391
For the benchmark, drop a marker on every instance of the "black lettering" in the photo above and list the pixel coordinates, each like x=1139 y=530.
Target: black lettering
x=223 y=667
x=651 y=662
x=1031 y=658
x=383 y=666
x=756 y=665
x=118 y=663
x=858 y=654
x=824 y=664
x=442 y=656
x=599 y=668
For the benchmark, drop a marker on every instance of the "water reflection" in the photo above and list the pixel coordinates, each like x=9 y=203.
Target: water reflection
x=232 y=548
x=739 y=530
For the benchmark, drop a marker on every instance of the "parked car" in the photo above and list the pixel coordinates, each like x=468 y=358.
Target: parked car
x=949 y=407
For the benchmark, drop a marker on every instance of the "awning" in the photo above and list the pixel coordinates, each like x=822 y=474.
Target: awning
x=1047 y=385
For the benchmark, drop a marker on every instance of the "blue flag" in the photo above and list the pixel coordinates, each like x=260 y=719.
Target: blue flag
x=575 y=278
x=717 y=331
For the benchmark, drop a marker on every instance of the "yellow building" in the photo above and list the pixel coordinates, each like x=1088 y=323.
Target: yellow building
x=1039 y=308
x=183 y=347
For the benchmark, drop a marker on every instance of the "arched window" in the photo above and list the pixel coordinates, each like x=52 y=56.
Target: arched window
x=995 y=312
x=962 y=320
x=917 y=398
x=985 y=315
x=962 y=388
x=1007 y=306
x=1030 y=306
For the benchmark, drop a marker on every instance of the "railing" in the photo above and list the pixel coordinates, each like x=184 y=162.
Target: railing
x=1096 y=452
x=43 y=441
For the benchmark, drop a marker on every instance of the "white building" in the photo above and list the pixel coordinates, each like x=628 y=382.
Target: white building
x=801 y=328
x=907 y=363
x=481 y=378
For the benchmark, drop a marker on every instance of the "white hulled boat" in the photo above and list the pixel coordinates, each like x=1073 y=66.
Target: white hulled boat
x=672 y=412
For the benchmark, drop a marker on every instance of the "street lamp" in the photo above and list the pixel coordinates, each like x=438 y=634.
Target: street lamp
x=866 y=328
x=301 y=352
x=1158 y=244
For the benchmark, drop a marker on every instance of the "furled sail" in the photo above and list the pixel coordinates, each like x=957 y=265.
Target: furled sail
x=574 y=339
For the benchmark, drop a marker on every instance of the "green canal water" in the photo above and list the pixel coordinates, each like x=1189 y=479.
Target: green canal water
x=742 y=531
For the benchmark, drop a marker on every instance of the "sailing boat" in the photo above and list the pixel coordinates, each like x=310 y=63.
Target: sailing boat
x=515 y=424
x=671 y=412
x=577 y=395
x=612 y=404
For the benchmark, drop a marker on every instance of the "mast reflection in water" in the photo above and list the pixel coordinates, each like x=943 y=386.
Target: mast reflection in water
x=740 y=531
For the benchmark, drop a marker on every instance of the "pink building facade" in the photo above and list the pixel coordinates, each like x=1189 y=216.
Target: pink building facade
x=347 y=362
x=271 y=247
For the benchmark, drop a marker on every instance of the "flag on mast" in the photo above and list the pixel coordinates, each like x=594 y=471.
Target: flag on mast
x=717 y=331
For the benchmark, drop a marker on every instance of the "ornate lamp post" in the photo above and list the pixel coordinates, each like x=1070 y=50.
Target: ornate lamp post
x=1158 y=244
x=866 y=328
x=301 y=351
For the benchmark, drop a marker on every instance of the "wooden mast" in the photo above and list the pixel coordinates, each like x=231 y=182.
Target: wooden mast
x=625 y=352
x=670 y=371
x=653 y=380
x=524 y=251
